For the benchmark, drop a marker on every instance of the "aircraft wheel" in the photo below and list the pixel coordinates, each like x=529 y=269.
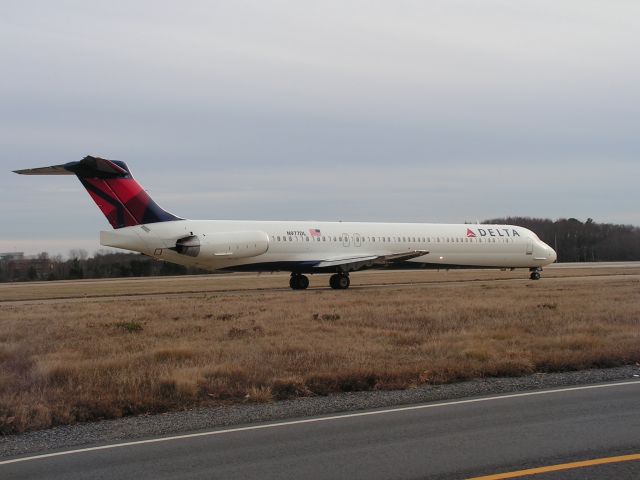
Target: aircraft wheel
x=535 y=276
x=298 y=281
x=339 y=281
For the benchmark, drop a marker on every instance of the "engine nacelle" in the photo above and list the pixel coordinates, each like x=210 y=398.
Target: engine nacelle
x=224 y=244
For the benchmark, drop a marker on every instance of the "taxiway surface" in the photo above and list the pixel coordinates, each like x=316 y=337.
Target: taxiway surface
x=456 y=439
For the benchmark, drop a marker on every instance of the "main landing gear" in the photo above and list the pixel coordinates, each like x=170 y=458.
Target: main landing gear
x=298 y=281
x=340 y=281
x=535 y=273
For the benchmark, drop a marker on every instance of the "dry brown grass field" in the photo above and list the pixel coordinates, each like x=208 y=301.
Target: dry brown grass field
x=78 y=351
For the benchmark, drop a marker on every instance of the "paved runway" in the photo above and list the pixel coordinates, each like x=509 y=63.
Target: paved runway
x=457 y=439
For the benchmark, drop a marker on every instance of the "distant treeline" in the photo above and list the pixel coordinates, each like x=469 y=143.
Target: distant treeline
x=576 y=241
x=573 y=240
x=80 y=265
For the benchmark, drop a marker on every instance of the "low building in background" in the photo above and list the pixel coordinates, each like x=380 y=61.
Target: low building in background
x=16 y=266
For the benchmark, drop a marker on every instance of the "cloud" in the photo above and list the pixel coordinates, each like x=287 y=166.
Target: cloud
x=430 y=111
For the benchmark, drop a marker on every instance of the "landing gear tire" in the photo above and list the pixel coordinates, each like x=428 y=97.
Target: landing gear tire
x=339 y=281
x=298 y=281
x=535 y=274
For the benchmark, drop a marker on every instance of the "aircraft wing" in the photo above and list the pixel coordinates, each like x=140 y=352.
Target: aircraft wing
x=356 y=262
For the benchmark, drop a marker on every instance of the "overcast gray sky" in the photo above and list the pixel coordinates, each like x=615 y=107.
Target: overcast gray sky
x=426 y=111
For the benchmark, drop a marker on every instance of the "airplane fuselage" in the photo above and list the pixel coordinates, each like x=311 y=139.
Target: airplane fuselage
x=276 y=245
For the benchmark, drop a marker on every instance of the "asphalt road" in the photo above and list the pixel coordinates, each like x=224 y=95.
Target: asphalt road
x=457 y=439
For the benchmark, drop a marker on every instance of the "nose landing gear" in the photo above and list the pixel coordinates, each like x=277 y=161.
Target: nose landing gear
x=339 y=281
x=298 y=281
x=535 y=273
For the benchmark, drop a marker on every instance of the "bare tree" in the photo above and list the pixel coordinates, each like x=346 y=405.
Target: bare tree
x=78 y=254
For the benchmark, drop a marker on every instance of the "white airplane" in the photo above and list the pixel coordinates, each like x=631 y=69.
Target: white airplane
x=299 y=247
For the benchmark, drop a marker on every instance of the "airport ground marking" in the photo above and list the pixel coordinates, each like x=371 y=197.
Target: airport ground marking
x=318 y=420
x=562 y=466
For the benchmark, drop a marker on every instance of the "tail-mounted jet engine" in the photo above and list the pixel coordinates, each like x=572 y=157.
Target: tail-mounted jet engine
x=189 y=246
x=225 y=244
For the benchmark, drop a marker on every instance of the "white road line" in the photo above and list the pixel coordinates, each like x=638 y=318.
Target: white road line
x=317 y=420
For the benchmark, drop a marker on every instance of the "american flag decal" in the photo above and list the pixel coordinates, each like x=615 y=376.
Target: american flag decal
x=314 y=232
x=470 y=233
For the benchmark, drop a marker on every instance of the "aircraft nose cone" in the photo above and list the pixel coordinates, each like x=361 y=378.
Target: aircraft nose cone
x=553 y=256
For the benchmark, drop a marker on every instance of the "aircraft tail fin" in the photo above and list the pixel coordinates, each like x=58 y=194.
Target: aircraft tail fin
x=112 y=187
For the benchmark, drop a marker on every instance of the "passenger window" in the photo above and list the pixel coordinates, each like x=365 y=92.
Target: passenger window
x=278 y=238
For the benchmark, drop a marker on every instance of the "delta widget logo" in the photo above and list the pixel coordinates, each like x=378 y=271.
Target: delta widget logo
x=492 y=232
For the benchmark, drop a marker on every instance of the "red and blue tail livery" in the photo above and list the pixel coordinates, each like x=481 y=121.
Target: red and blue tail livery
x=110 y=183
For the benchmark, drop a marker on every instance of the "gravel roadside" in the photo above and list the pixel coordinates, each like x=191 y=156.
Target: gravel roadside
x=140 y=427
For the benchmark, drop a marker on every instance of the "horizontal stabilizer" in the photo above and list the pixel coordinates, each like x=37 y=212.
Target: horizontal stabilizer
x=53 y=170
x=88 y=167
